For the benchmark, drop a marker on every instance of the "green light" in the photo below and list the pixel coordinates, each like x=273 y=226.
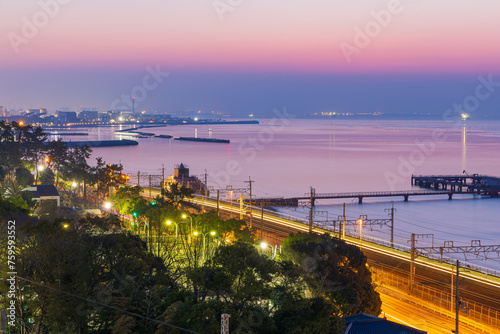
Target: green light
x=134 y=214
x=152 y=203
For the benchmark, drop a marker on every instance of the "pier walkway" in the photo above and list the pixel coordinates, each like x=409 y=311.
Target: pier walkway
x=436 y=184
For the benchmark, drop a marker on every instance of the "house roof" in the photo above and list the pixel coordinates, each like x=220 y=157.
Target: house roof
x=43 y=190
x=363 y=323
x=47 y=190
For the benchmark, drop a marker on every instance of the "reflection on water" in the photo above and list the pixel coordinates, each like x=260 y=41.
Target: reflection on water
x=340 y=157
x=464 y=147
x=345 y=156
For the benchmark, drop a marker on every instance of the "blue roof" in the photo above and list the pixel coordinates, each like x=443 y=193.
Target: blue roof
x=43 y=190
x=363 y=323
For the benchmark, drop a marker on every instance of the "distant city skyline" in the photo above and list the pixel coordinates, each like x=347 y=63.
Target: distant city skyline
x=242 y=57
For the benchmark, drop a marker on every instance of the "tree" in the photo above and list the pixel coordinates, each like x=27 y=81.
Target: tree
x=91 y=260
x=2 y=174
x=20 y=145
x=107 y=176
x=47 y=176
x=177 y=195
x=24 y=177
x=334 y=270
x=126 y=199
x=57 y=152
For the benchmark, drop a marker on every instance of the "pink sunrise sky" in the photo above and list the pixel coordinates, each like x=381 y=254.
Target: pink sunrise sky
x=430 y=36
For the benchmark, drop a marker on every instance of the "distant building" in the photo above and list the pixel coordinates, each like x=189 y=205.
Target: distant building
x=181 y=176
x=363 y=323
x=88 y=115
x=66 y=116
x=44 y=192
x=39 y=111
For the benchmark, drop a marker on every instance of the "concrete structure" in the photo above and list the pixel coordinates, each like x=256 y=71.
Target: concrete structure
x=181 y=176
x=44 y=192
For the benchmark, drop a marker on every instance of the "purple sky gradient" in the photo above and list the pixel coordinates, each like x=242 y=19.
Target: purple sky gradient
x=425 y=55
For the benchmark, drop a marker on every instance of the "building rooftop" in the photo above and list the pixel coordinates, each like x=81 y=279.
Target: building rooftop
x=363 y=323
x=43 y=190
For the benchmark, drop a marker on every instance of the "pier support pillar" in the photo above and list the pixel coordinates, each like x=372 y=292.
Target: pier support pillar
x=406 y=198
x=450 y=196
x=360 y=200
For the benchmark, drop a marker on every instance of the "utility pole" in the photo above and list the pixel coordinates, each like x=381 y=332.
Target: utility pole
x=250 y=188
x=241 y=206
x=261 y=218
x=162 y=175
x=412 y=262
x=205 y=197
x=311 y=210
x=150 y=186
x=224 y=323
x=206 y=183
x=391 y=214
x=84 y=193
x=218 y=203
x=343 y=224
x=457 y=301
x=139 y=178
x=3 y=322
x=452 y=291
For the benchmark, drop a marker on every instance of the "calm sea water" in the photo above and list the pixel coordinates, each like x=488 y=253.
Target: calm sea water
x=285 y=157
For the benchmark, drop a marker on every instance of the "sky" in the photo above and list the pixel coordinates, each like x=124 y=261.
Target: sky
x=241 y=56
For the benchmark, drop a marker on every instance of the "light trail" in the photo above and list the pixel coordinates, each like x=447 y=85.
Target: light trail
x=382 y=250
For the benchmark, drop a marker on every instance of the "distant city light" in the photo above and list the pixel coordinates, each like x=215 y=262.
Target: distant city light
x=107 y=205
x=73 y=184
x=465 y=116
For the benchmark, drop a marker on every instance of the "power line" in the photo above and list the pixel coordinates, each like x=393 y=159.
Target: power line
x=105 y=305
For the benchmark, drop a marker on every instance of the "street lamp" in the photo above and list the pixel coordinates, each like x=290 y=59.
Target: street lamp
x=39 y=168
x=184 y=216
x=176 y=227
x=212 y=233
x=107 y=205
x=264 y=246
